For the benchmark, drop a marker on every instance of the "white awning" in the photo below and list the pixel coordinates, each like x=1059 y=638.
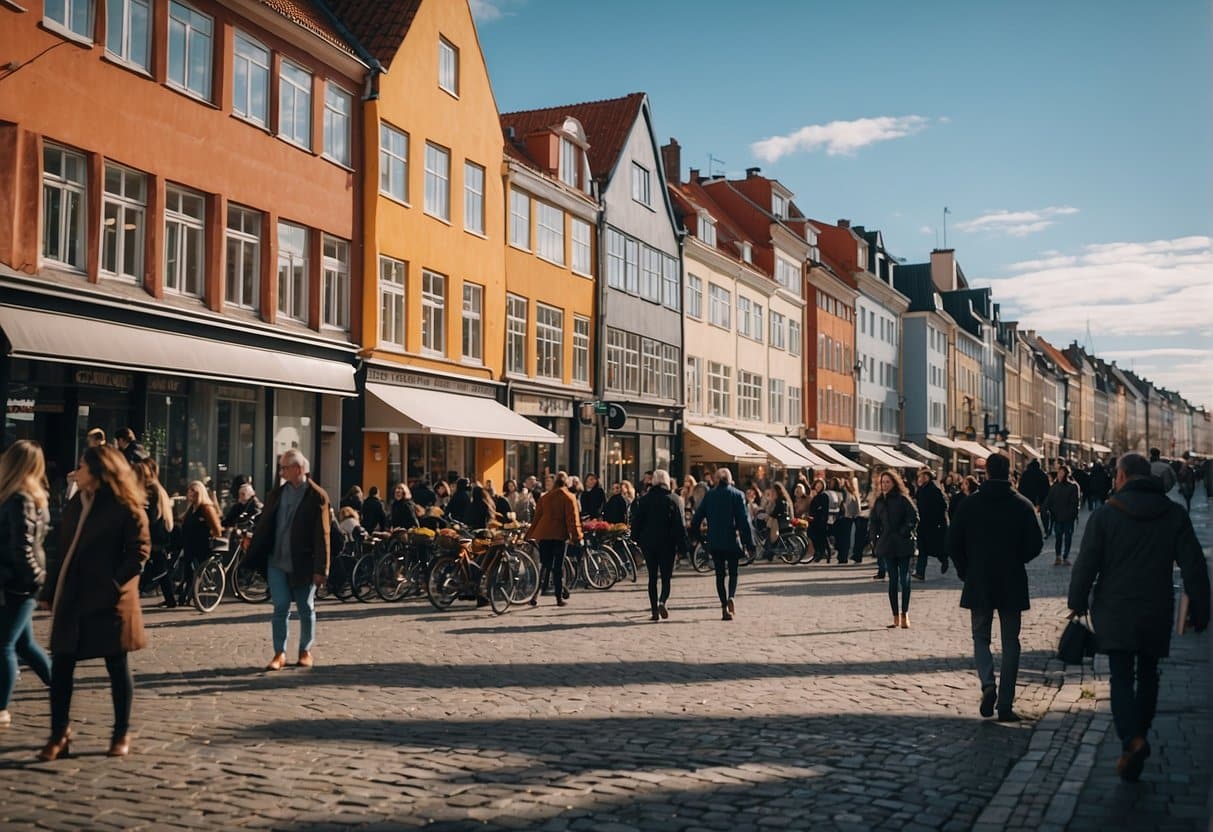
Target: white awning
x=826 y=452
x=906 y=460
x=1030 y=451
x=718 y=445
x=973 y=449
x=921 y=452
x=801 y=448
x=786 y=457
x=942 y=441
x=1100 y=449
x=47 y=336
x=392 y=409
x=887 y=456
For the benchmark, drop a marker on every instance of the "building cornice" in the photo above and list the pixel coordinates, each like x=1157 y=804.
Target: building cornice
x=544 y=187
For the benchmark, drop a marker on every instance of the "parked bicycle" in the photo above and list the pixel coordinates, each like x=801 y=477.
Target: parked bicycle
x=224 y=570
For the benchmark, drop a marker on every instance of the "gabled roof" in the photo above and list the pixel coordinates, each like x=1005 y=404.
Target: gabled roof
x=914 y=281
x=308 y=15
x=689 y=199
x=608 y=124
x=378 y=25
x=1055 y=355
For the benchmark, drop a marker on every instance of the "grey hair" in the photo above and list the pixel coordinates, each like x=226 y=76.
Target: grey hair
x=294 y=455
x=661 y=477
x=724 y=475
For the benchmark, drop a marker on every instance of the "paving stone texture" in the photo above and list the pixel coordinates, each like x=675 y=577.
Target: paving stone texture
x=804 y=712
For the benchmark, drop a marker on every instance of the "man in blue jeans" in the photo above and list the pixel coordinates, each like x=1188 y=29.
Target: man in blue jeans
x=728 y=531
x=291 y=546
x=1128 y=551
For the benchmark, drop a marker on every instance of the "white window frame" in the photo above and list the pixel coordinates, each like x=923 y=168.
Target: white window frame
x=242 y=244
x=293 y=260
x=549 y=232
x=120 y=40
x=393 y=292
x=671 y=298
x=295 y=104
x=473 y=323
x=720 y=381
x=775 y=389
x=616 y=245
x=642 y=185
x=448 y=66
x=650 y=367
x=631 y=363
x=795 y=339
x=670 y=356
x=694 y=384
x=632 y=251
x=694 y=302
x=707 y=230
x=650 y=274
x=474 y=180
x=720 y=306
x=130 y=216
x=549 y=341
x=69 y=24
x=749 y=396
x=614 y=360
x=581 y=350
x=569 y=171
x=338 y=124
x=438 y=182
x=393 y=162
x=744 y=312
x=583 y=252
x=188 y=83
x=795 y=405
x=520 y=219
x=515 y=334
x=779 y=205
x=335 y=282
x=256 y=61
x=433 y=313
x=778 y=327
x=190 y=241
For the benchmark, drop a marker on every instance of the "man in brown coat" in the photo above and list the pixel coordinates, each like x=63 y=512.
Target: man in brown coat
x=291 y=546
x=557 y=520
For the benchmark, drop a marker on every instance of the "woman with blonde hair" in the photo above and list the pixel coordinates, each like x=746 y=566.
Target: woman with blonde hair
x=95 y=595
x=24 y=520
x=160 y=524
x=199 y=525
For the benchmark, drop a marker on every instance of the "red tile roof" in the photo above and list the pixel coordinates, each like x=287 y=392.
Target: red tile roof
x=1057 y=356
x=379 y=25
x=607 y=125
x=690 y=197
x=307 y=15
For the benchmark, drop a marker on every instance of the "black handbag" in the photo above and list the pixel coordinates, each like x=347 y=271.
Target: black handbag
x=1077 y=642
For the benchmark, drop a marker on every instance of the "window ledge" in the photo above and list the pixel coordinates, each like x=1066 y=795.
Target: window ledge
x=251 y=122
x=337 y=163
x=446 y=222
x=402 y=202
x=520 y=248
x=294 y=144
x=475 y=233
x=190 y=94
x=123 y=63
x=586 y=275
x=10 y=4
x=62 y=31
x=551 y=261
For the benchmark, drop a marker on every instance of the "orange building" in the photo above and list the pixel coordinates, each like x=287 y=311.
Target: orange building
x=830 y=358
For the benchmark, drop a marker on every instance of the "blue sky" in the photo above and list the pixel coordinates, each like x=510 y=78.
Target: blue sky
x=1070 y=141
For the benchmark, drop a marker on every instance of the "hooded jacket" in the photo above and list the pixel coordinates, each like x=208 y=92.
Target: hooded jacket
x=994 y=534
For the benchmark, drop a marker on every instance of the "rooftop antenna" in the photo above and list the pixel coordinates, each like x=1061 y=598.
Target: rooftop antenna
x=1088 y=342
x=945 y=226
x=712 y=160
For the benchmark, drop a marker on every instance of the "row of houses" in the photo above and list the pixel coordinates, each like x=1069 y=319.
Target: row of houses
x=252 y=225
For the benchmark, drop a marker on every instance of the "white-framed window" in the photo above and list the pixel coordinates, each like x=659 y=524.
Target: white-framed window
x=795 y=341
x=632 y=256
x=393 y=162
x=392 y=276
x=520 y=219
x=583 y=261
x=74 y=17
x=437 y=181
x=190 y=44
x=515 y=334
x=250 y=80
x=123 y=214
x=570 y=164
x=128 y=31
x=335 y=283
x=642 y=186
x=744 y=311
x=775 y=400
x=720 y=381
x=650 y=367
x=184 y=241
x=292 y=271
x=448 y=66
x=749 y=396
x=694 y=297
x=631 y=362
x=473 y=197
x=707 y=230
x=242 y=282
x=549 y=232
x=549 y=341
x=581 y=349
x=295 y=104
x=694 y=384
x=779 y=338
x=650 y=274
x=433 y=312
x=787 y=275
x=669 y=371
x=747 y=252
x=616 y=259
x=473 y=324
x=338 y=123
x=614 y=359
x=795 y=413
x=669 y=283
x=720 y=306
x=779 y=207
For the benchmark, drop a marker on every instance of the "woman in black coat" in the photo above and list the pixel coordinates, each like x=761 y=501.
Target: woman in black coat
x=616 y=509
x=374 y=515
x=481 y=512
x=658 y=526
x=593 y=499
x=402 y=514
x=461 y=501
x=819 y=522
x=894 y=525
x=932 y=524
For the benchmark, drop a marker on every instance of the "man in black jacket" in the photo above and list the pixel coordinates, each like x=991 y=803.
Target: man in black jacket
x=1127 y=554
x=657 y=525
x=994 y=534
x=1034 y=484
x=932 y=524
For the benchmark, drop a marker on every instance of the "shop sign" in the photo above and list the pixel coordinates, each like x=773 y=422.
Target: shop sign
x=104 y=378
x=449 y=385
x=244 y=394
x=552 y=406
x=166 y=385
x=16 y=406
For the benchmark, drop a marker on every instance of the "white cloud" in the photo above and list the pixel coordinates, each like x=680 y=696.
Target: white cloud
x=839 y=138
x=1015 y=223
x=486 y=11
x=926 y=229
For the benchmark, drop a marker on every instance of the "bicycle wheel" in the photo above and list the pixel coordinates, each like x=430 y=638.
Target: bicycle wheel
x=600 y=571
x=362 y=578
x=250 y=585
x=701 y=558
x=571 y=574
x=391 y=577
x=623 y=560
x=209 y=582
x=444 y=582
x=500 y=582
x=786 y=550
x=747 y=556
x=526 y=575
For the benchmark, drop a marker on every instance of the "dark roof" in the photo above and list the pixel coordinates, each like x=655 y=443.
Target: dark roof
x=379 y=25
x=959 y=306
x=607 y=124
x=914 y=281
x=308 y=15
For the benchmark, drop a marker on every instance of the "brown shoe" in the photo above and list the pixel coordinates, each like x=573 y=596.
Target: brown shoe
x=57 y=747
x=120 y=746
x=277 y=663
x=725 y=615
x=305 y=658
x=732 y=607
x=905 y=621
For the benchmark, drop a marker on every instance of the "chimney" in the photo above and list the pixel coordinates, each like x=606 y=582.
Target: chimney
x=671 y=160
x=844 y=223
x=943 y=269
x=752 y=172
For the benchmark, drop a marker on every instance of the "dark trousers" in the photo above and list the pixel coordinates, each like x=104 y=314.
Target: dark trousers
x=861 y=538
x=982 y=622
x=920 y=568
x=842 y=537
x=1134 y=689
x=1065 y=536
x=1046 y=522
x=551 y=558
x=899 y=579
x=726 y=561
x=659 y=565
x=122 y=691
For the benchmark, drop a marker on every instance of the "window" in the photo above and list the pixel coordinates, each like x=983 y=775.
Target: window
x=694 y=297
x=669 y=282
x=393 y=163
x=391 y=302
x=189 y=49
x=650 y=367
x=123 y=210
x=295 y=104
x=747 y=252
x=822 y=350
x=473 y=328
x=707 y=230
x=743 y=316
x=795 y=344
x=549 y=232
x=614 y=360
x=759 y=329
x=669 y=371
x=242 y=284
x=641 y=185
x=473 y=197
x=720 y=303
x=775 y=403
x=570 y=164
x=581 y=349
x=631 y=362
x=633 y=266
x=520 y=219
x=787 y=275
x=433 y=312
x=778 y=331
x=694 y=384
x=128 y=31
x=515 y=334
x=650 y=275
x=292 y=271
x=73 y=16
x=583 y=262
x=795 y=414
x=335 y=283
x=437 y=181
x=338 y=108
x=616 y=263
x=250 y=80
x=749 y=395
x=184 y=237
x=779 y=205
x=549 y=341
x=448 y=66
x=719 y=383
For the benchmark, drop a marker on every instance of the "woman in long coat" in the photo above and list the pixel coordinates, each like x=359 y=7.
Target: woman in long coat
x=894 y=527
x=95 y=594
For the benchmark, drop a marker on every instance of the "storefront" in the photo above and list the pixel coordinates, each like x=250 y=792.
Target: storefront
x=709 y=448
x=555 y=413
x=645 y=442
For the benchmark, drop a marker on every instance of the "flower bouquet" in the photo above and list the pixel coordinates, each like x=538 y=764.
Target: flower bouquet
x=595 y=525
x=800 y=523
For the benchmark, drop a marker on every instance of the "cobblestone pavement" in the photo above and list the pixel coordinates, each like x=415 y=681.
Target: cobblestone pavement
x=803 y=712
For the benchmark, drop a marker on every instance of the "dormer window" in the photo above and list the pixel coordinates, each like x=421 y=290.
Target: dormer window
x=779 y=205
x=570 y=164
x=861 y=260
x=747 y=252
x=707 y=230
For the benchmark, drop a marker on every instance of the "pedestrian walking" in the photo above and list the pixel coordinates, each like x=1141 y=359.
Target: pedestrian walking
x=932 y=524
x=94 y=591
x=1186 y=479
x=1062 y=505
x=291 y=547
x=1127 y=555
x=374 y=513
x=845 y=524
x=1034 y=484
x=658 y=526
x=995 y=533
x=1162 y=471
x=557 y=523
x=1098 y=486
x=24 y=520
x=724 y=509
x=819 y=522
x=894 y=525
x=130 y=447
